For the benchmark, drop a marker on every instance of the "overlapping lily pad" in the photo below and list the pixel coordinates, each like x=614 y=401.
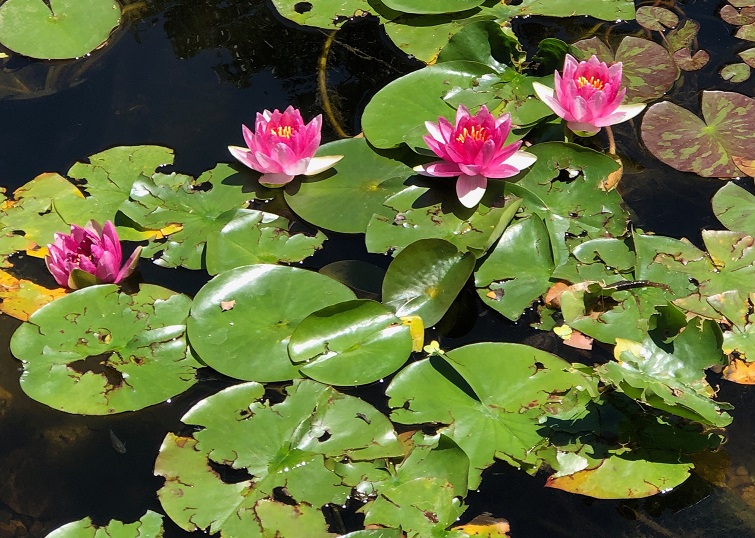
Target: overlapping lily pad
x=197 y=207
x=99 y=351
x=708 y=147
x=735 y=208
x=242 y=319
x=63 y=29
x=345 y=197
x=425 y=278
x=149 y=526
x=351 y=343
x=257 y=237
x=293 y=445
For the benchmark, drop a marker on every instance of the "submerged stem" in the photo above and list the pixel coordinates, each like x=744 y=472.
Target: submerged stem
x=611 y=141
x=322 y=86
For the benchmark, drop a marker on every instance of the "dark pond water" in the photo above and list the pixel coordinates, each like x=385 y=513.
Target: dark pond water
x=186 y=74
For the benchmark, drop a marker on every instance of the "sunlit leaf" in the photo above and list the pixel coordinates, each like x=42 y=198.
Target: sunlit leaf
x=656 y=18
x=431 y=7
x=20 y=298
x=149 y=526
x=64 y=29
x=250 y=341
x=735 y=208
x=99 y=351
x=706 y=147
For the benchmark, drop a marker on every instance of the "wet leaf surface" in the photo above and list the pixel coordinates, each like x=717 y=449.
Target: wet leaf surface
x=149 y=526
x=99 y=351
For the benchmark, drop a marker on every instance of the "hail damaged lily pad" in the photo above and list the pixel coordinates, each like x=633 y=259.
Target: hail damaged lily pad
x=518 y=269
x=735 y=208
x=398 y=112
x=423 y=493
x=107 y=179
x=492 y=398
x=351 y=343
x=257 y=237
x=422 y=212
x=200 y=207
x=292 y=445
x=563 y=189
x=344 y=198
x=674 y=380
x=425 y=278
x=648 y=69
x=149 y=526
x=63 y=29
x=331 y=14
x=706 y=147
x=99 y=351
x=29 y=221
x=242 y=319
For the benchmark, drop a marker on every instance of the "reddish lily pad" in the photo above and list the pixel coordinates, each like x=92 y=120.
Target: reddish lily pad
x=689 y=62
x=656 y=18
x=706 y=147
x=746 y=32
x=748 y=57
x=738 y=17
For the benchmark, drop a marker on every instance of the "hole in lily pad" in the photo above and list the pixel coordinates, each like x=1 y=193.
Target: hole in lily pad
x=97 y=364
x=228 y=474
x=303 y=7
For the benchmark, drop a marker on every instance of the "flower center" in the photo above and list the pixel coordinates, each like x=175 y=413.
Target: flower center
x=282 y=131
x=595 y=83
x=476 y=133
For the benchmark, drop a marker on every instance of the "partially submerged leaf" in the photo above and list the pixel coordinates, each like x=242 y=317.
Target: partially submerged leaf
x=149 y=526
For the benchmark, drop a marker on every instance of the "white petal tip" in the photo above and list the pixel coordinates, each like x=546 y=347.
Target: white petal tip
x=320 y=164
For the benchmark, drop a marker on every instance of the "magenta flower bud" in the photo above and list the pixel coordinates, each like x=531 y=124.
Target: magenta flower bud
x=282 y=147
x=588 y=96
x=473 y=150
x=93 y=250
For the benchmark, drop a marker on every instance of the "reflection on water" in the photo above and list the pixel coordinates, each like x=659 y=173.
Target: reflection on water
x=186 y=74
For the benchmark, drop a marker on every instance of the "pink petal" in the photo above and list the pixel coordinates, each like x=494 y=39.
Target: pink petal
x=471 y=189
x=623 y=113
x=275 y=180
x=438 y=169
x=245 y=157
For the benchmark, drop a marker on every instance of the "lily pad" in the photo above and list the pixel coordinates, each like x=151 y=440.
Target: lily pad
x=64 y=29
x=331 y=14
x=735 y=208
x=351 y=343
x=99 y=351
x=294 y=445
x=398 y=112
x=149 y=526
x=257 y=237
x=706 y=147
x=491 y=397
x=735 y=73
x=656 y=18
x=242 y=319
x=425 y=278
x=429 y=7
x=344 y=198
x=197 y=208
x=518 y=270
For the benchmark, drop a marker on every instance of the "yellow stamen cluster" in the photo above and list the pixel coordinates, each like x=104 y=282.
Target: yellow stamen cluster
x=596 y=83
x=282 y=131
x=476 y=133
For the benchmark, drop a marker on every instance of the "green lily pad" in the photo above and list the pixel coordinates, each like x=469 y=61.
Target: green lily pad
x=420 y=212
x=735 y=208
x=491 y=398
x=364 y=278
x=65 y=29
x=423 y=494
x=425 y=278
x=345 y=197
x=685 y=142
x=294 y=445
x=748 y=56
x=398 y=112
x=107 y=179
x=746 y=32
x=330 y=14
x=257 y=237
x=242 y=319
x=485 y=42
x=429 y=7
x=98 y=351
x=735 y=73
x=518 y=269
x=351 y=343
x=198 y=207
x=149 y=526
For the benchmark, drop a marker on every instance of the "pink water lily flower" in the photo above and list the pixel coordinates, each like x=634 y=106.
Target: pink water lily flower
x=473 y=150
x=282 y=147
x=588 y=96
x=93 y=250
